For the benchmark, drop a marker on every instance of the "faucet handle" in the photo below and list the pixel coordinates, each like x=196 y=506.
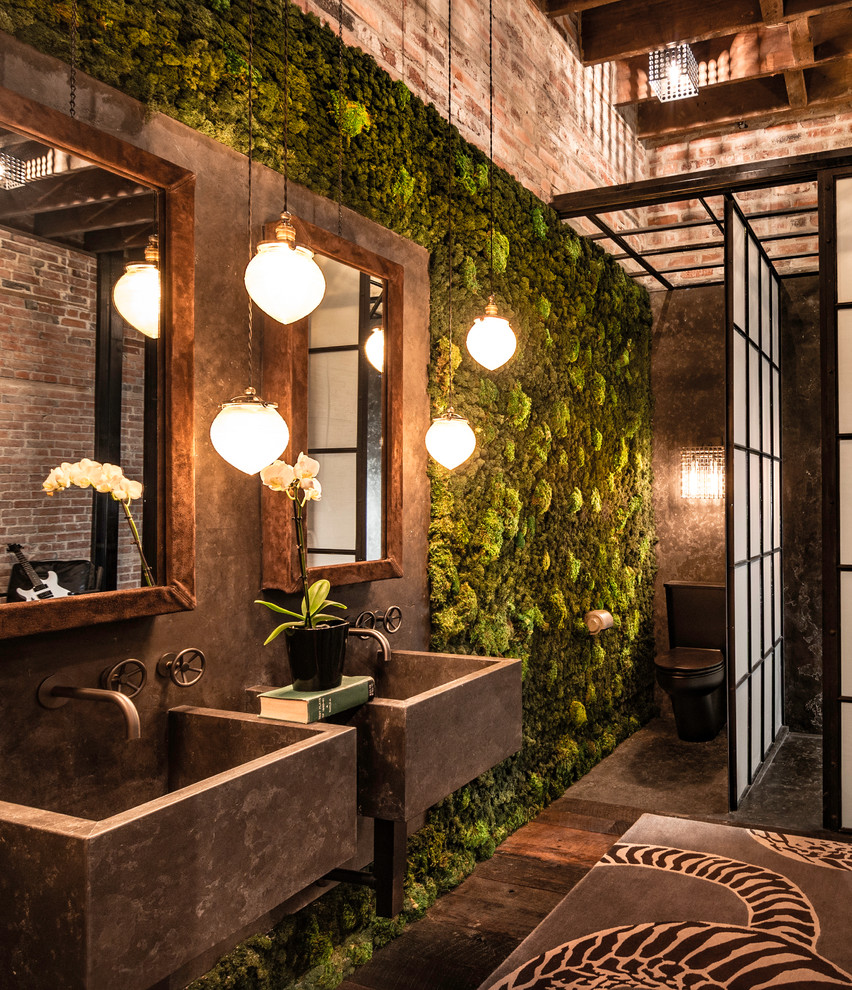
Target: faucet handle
x=128 y=677
x=390 y=619
x=185 y=668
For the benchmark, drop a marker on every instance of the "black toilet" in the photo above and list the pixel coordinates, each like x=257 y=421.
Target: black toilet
x=692 y=672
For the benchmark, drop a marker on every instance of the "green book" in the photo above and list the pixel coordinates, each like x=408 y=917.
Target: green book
x=311 y=706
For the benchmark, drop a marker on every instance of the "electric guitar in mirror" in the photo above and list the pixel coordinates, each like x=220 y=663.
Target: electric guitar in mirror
x=40 y=588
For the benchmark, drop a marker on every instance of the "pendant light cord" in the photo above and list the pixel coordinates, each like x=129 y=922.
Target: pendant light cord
x=491 y=134
x=450 y=168
x=72 y=76
x=340 y=109
x=286 y=94
x=250 y=155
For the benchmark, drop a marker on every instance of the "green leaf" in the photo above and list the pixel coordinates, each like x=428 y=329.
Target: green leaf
x=335 y=604
x=318 y=593
x=323 y=615
x=277 y=608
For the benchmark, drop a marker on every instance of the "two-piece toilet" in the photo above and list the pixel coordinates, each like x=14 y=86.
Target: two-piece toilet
x=692 y=672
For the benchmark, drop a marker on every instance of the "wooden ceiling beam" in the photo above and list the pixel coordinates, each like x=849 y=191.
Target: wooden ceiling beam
x=97 y=216
x=559 y=8
x=801 y=41
x=67 y=189
x=635 y=27
x=797 y=90
x=772 y=11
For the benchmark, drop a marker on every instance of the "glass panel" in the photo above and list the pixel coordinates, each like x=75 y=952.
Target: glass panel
x=768 y=606
x=331 y=521
x=740 y=623
x=779 y=594
x=776 y=416
x=754 y=619
x=776 y=503
x=753 y=398
x=336 y=321
x=844 y=371
x=754 y=505
x=765 y=315
x=753 y=291
x=770 y=686
x=844 y=240
x=766 y=404
x=767 y=503
x=776 y=321
x=740 y=404
x=844 y=478
x=740 y=506
x=742 y=739
x=846 y=634
x=324 y=559
x=333 y=400
x=846 y=765
x=739 y=273
x=779 y=694
x=756 y=721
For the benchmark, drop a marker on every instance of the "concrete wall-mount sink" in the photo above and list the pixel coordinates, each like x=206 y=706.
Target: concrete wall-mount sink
x=256 y=811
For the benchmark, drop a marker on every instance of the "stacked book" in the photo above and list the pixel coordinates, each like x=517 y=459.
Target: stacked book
x=311 y=706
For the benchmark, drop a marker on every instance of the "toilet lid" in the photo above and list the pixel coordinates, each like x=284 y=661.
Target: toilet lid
x=685 y=660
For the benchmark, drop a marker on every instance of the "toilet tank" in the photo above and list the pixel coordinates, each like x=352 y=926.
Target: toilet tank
x=697 y=615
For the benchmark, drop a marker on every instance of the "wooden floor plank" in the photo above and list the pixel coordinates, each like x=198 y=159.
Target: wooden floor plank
x=565 y=845
x=497 y=907
x=540 y=874
x=571 y=819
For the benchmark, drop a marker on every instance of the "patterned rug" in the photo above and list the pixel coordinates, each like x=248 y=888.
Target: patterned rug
x=684 y=905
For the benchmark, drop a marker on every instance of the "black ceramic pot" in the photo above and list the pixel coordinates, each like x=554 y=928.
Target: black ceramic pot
x=316 y=655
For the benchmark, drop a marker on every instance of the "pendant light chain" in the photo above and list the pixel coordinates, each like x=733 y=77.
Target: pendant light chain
x=250 y=201
x=340 y=109
x=450 y=169
x=491 y=133
x=286 y=95
x=72 y=77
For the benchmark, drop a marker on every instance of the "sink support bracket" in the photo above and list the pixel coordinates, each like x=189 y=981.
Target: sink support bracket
x=390 y=853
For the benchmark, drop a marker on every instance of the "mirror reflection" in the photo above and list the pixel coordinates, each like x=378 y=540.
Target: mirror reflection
x=346 y=416
x=77 y=380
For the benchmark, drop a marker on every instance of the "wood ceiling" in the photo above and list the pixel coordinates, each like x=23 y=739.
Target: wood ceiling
x=761 y=62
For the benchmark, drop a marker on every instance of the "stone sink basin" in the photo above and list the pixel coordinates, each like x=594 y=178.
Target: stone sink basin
x=438 y=720
x=254 y=811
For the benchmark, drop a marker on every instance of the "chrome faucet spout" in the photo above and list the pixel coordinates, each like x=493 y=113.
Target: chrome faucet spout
x=375 y=634
x=128 y=709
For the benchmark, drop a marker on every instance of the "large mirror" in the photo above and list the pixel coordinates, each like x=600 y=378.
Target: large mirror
x=337 y=378
x=79 y=209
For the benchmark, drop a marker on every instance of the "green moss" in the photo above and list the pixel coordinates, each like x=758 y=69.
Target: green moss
x=501 y=250
x=575 y=501
x=520 y=407
x=542 y=496
x=544 y=307
x=538 y=224
x=403 y=188
x=577 y=714
x=468 y=273
x=351 y=116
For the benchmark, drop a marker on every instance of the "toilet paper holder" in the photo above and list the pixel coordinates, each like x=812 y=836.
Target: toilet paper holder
x=597 y=620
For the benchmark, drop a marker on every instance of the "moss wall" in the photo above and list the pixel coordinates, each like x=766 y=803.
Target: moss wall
x=550 y=517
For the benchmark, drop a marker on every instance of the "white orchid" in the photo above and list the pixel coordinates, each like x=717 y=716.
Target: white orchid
x=278 y=476
x=306 y=467
x=312 y=489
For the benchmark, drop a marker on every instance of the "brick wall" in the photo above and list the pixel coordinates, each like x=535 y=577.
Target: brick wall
x=554 y=127
x=47 y=373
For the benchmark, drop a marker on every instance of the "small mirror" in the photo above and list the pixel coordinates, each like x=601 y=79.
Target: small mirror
x=78 y=209
x=336 y=376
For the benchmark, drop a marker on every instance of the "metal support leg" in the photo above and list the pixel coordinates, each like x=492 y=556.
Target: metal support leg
x=390 y=847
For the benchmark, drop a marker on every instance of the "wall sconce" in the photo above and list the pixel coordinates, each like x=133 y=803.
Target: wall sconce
x=702 y=472
x=673 y=73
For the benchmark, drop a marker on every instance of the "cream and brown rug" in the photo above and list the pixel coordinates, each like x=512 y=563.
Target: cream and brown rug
x=684 y=905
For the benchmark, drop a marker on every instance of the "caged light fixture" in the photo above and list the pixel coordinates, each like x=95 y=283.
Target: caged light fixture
x=673 y=73
x=283 y=279
x=450 y=439
x=702 y=472
x=491 y=340
x=248 y=432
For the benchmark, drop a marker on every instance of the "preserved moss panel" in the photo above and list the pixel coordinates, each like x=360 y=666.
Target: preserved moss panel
x=551 y=516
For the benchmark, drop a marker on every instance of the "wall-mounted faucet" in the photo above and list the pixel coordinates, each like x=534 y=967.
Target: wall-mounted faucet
x=52 y=693
x=374 y=634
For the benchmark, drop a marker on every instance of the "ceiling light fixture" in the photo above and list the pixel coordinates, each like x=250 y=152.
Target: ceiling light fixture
x=137 y=293
x=491 y=340
x=450 y=439
x=248 y=432
x=283 y=279
x=673 y=73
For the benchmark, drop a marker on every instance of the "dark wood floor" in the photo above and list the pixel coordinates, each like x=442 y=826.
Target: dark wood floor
x=467 y=933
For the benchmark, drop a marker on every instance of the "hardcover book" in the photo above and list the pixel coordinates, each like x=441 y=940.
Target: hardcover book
x=311 y=706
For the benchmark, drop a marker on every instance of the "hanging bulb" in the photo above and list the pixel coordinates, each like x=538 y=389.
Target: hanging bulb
x=491 y=341
x=137 y=293
x=284 y=280
x=375 y=349
x=248 y=432
x=450 y=439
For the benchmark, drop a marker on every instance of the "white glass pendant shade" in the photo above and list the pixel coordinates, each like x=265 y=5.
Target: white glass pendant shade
x=375 y=349
x=491 y=341
x=450 y=439
x=284 y=280
x=249 y=433
x=137 y=293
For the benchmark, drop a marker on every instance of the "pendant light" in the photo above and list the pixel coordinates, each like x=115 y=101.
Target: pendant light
x=137 y=293
x=450 y=439
x=374 y=348
x=491 y=341
x=283 y=279
x=248 y=432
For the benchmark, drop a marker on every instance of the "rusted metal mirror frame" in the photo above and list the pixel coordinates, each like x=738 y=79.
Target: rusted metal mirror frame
x=176 y=535
x=285 y=381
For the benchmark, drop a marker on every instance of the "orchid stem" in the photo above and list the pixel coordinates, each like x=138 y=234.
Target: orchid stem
x=146 y=570
x=303 y=559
